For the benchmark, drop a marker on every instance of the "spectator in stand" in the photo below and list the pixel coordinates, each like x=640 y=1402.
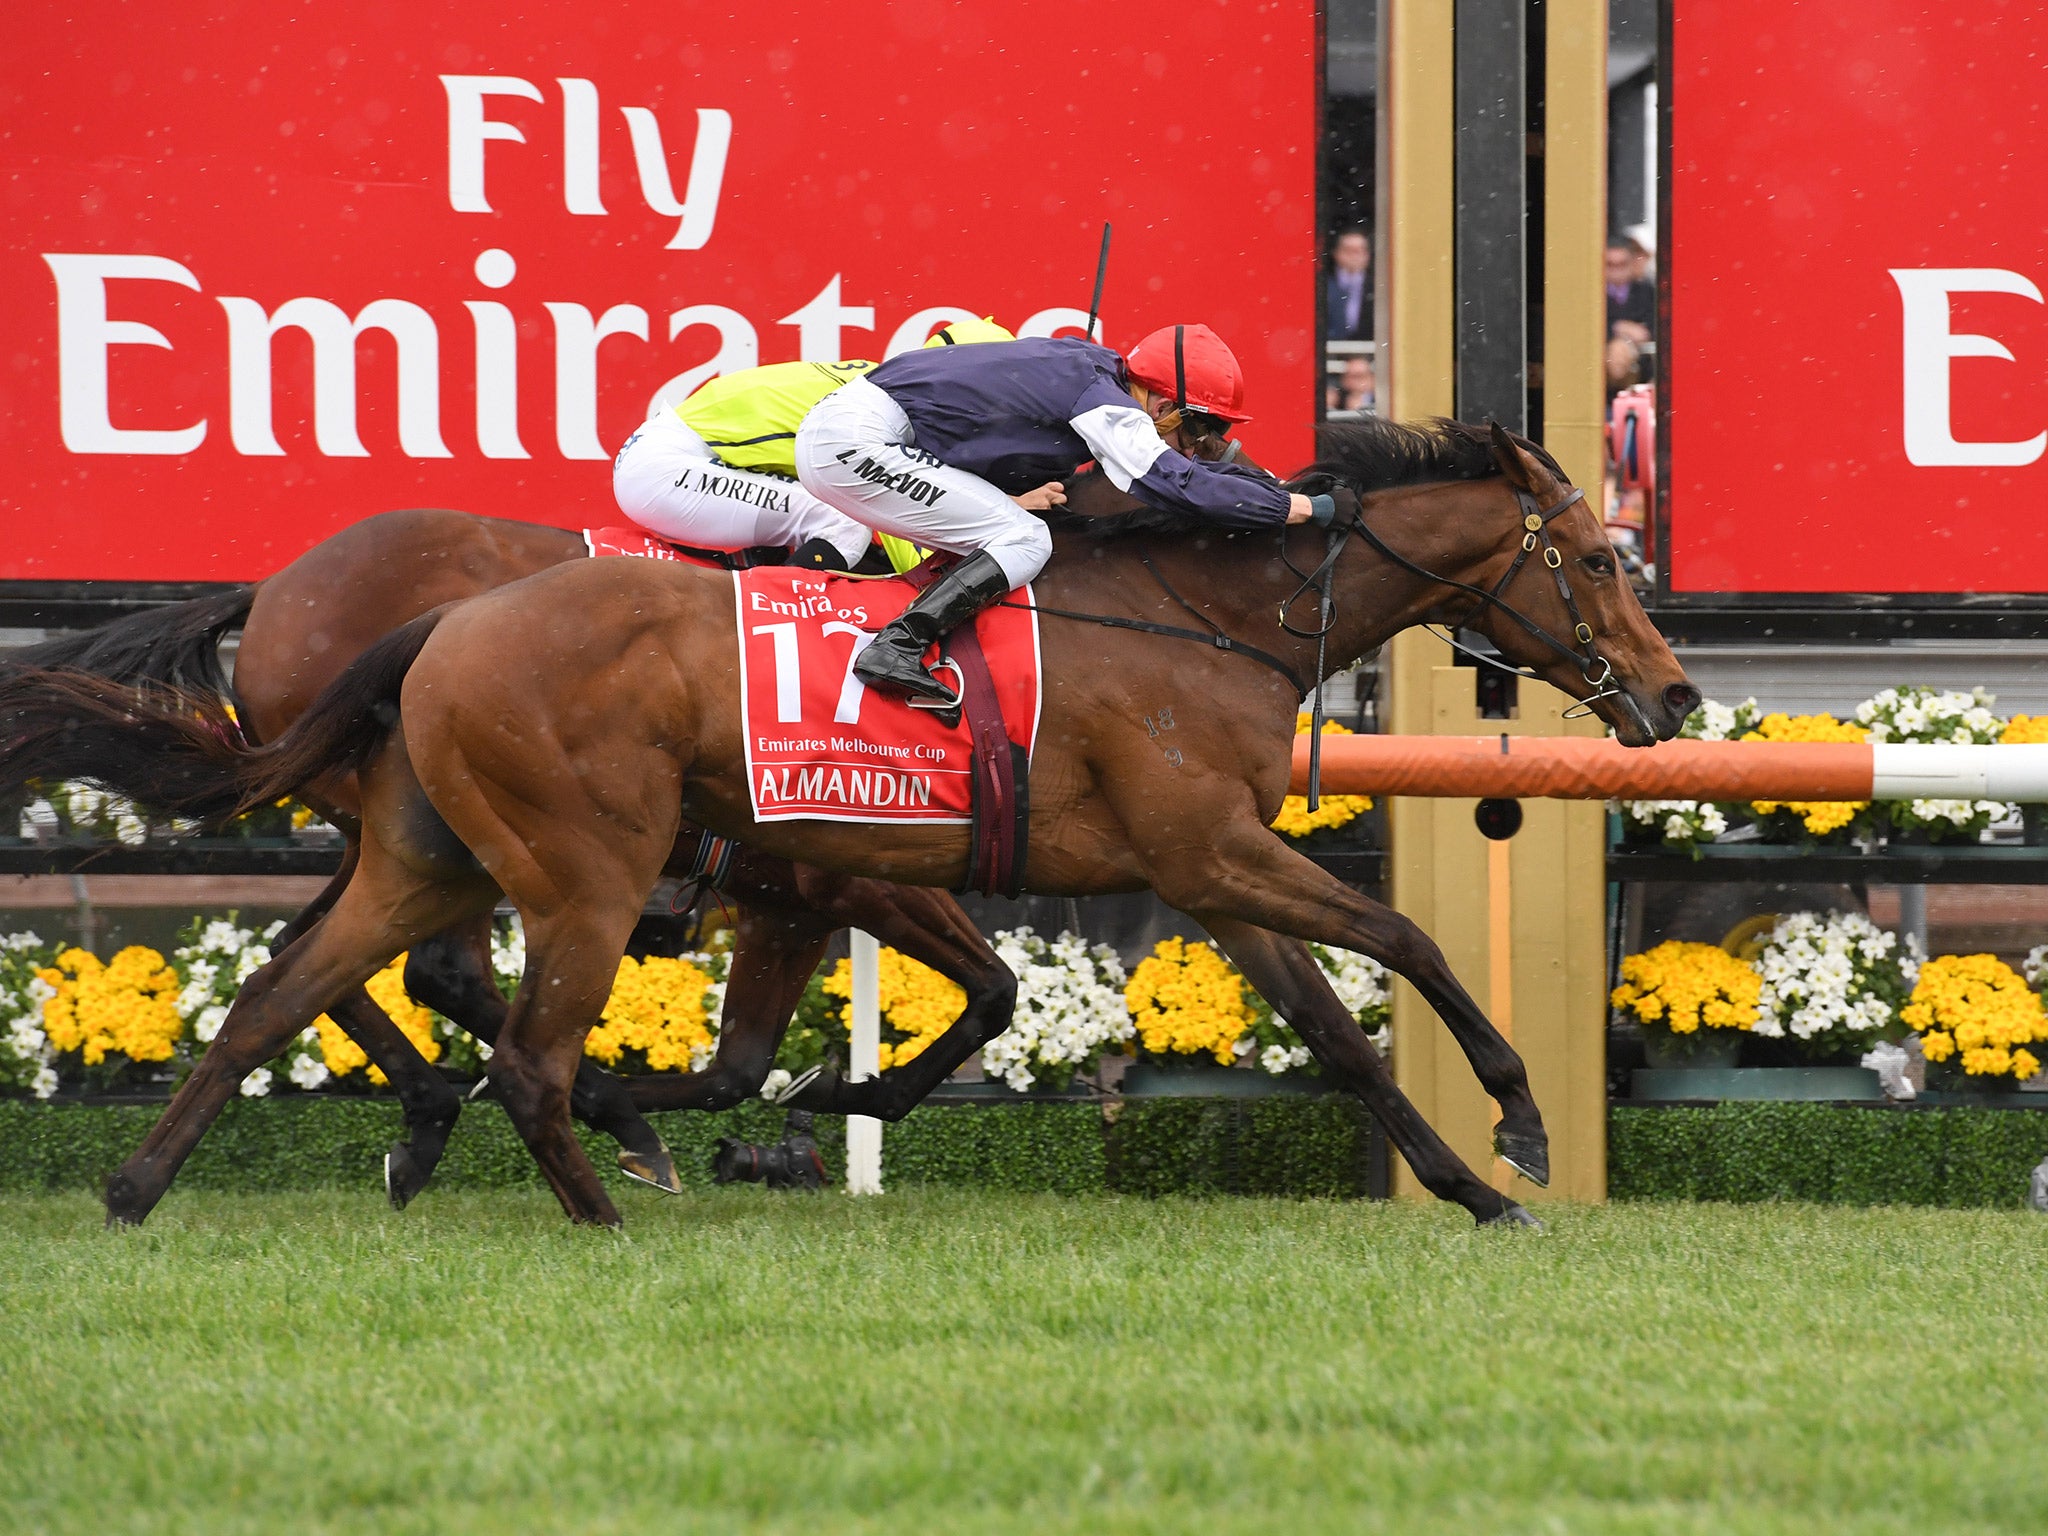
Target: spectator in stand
x=1354 y=389
x=1631 y=299
x=1347 y=308
x=1624 y=365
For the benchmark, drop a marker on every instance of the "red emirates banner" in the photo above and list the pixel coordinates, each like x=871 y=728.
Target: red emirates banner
x=1857 y=346
x=277 y=273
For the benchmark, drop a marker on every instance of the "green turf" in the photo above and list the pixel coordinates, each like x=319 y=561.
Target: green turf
x=951 y=1360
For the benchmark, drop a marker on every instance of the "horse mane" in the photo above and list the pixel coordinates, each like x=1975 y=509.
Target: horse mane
x=1367 y=455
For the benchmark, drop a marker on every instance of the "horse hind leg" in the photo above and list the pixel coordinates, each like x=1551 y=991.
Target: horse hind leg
x=451 y=973
x=374 y=919
x=571 y=962
x=429 y=1102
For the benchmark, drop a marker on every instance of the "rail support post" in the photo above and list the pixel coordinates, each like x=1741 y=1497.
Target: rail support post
x=864 y=1133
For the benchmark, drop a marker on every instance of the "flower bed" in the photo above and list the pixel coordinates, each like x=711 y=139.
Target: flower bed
x=139 y=1022
x=1905 y=714
x=1834 y=989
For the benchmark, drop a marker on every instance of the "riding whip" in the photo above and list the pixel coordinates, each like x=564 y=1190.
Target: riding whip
x=1101 y=272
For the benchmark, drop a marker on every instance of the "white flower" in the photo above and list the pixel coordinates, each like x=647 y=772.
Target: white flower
x=208 y=1022
x=308 y=1072
x=1817 y=976
x=2036 y=964
x=1280 y=1058
x=25 y=1038
x=38 y=820
x=44 y=1083
x=771 y=1085
x=257 y=1084
x=1070 y=1006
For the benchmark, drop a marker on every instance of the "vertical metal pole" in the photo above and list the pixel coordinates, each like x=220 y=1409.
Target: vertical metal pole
x=1913 y=914
x=87 y=920
x=1492 y=213
x=864 y=1134
x=1500 y=963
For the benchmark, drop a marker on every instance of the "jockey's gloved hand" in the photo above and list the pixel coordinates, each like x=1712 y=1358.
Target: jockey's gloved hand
x=1337 y=505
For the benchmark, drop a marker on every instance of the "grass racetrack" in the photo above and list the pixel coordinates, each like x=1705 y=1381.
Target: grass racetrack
x=945 y=1361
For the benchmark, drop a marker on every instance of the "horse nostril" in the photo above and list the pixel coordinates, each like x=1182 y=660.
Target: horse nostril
x=1681 y=699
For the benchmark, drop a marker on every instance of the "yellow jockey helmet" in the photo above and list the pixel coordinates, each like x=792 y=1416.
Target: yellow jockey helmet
x=961 y=332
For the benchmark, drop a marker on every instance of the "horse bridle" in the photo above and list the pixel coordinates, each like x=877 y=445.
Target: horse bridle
x=1596 y=670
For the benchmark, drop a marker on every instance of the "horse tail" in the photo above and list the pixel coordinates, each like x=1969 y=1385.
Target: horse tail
x=177 y=751
x=175 y=646
x=345 y=724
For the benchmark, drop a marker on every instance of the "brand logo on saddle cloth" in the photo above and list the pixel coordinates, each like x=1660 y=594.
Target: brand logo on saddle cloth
x=821 y=746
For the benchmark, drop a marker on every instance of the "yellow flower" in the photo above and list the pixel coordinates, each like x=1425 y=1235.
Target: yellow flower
x=916 y=1001
x=1186 y=1000
x=1819 y=816
x=1689 y=987
x=1294 y=819
x=387 y=991
x=127 y=1005
x=1979 y=1011
x=657 y=1009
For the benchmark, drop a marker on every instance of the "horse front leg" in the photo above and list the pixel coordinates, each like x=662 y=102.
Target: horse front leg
x=1242 y=872
x=774 y=953
x=1287 y=976
x=1252 y=874
x=929 y=926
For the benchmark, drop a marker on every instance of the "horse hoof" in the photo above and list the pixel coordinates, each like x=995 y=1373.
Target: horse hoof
x=657 y=1168
x=1528 y=1155
x=1513 y=1216
x=403 y=1176
x=124 y=1204
x=799 y=1083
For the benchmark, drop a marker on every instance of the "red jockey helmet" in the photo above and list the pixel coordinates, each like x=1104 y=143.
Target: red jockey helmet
x=1190 y=364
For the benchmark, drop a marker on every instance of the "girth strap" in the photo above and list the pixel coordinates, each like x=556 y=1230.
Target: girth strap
x=1001 y=833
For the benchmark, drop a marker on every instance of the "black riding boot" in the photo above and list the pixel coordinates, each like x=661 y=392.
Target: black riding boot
x=894 y=659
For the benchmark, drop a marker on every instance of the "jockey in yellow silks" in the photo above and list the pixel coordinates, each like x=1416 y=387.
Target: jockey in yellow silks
x=718 y=472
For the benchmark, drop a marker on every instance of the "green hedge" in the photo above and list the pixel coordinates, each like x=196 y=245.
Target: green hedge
x=1276 y=1146
x=1825 y=1152
x=1287 y=1146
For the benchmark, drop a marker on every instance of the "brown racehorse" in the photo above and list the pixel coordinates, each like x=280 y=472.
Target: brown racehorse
x=551 y=734
x=299 y=629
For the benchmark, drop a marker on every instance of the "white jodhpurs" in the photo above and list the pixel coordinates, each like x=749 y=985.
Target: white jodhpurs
x=670 y=483
x=856 y=451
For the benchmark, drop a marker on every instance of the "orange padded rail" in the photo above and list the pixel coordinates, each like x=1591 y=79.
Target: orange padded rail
x=1585 y=768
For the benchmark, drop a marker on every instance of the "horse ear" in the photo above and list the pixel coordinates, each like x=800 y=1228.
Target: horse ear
x=1509 y=457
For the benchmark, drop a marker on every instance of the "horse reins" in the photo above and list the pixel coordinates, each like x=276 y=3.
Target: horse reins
x=1594 y=668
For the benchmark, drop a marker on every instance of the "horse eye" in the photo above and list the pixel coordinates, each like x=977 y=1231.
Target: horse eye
x=1600 y=565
